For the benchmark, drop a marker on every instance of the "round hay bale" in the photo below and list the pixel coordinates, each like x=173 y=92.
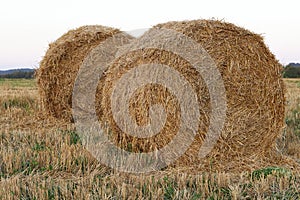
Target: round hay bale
x=254 y=94
x=59 y=67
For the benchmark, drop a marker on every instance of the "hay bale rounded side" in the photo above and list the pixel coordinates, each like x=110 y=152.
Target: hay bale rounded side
x=58 y=69
x=254 y=91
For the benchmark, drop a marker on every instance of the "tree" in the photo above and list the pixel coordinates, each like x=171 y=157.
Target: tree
x=291 y=71
x=19 y=74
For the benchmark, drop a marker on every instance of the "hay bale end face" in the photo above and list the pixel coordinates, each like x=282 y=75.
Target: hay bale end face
x=59 y=67
x=254 y=91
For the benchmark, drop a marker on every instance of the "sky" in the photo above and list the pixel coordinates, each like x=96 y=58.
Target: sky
x=27 y=27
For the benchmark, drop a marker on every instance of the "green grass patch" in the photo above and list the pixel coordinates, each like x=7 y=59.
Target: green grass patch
x=264 y=172
x=16 y=83
x=73 y=137
x=26 y=104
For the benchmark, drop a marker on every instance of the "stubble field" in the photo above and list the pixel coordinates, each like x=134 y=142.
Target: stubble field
x=42 y=158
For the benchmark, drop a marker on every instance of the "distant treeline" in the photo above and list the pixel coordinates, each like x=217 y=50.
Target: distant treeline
x=292 y=70
x=18 y=73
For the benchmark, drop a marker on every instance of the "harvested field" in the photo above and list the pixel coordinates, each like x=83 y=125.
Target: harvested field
x=43 y=158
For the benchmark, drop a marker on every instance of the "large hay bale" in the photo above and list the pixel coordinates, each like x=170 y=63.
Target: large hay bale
x=254 y=91
x=59 y=67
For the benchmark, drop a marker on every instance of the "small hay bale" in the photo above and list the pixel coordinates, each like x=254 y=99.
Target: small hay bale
x=254 y=91
x=59 y=67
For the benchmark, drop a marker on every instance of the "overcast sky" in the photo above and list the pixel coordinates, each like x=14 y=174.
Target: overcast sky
x=28 y=26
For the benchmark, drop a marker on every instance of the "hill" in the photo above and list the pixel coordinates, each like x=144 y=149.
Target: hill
x=11 y=71
x=17 y=73
x=294 y=65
